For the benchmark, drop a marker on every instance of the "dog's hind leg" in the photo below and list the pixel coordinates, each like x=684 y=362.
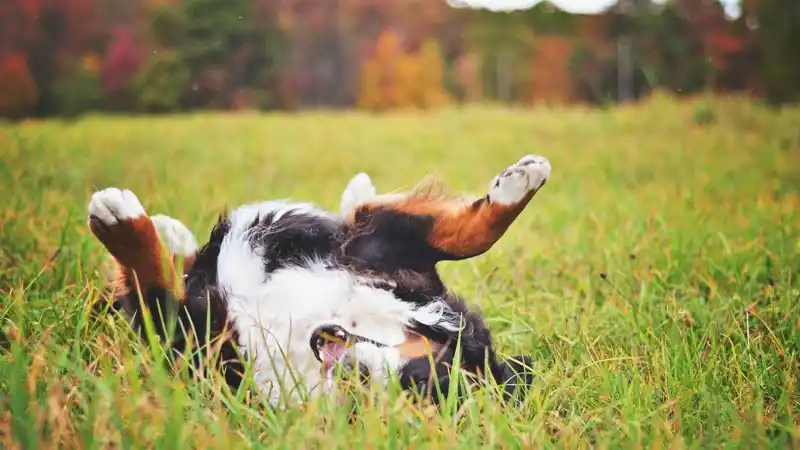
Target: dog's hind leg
x=425 y=229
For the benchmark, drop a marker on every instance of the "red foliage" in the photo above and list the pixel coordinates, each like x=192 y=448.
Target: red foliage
x=82 y=23
x=18 y=92
x=726 y=43
x=122 y=61
x=17 y=20
x=707 y=20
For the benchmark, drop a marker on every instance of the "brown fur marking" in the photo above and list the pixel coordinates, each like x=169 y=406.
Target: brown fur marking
x=416 y=346
x=460 y=227
x=136 y=246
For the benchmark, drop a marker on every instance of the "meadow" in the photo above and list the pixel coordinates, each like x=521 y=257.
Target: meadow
x=654 y=279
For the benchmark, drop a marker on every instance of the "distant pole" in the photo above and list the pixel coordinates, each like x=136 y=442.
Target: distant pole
x=625 y=59
x=624 y=69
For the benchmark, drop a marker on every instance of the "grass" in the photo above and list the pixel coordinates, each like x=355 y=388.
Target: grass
x=654 y=279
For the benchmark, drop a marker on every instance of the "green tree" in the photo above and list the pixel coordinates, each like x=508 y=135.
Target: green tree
x=227 y=52
x=77 y=92
x=504 y=42
x=162 y=83
x=778 y=29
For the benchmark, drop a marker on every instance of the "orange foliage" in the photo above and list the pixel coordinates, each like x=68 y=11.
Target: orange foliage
x=395 y=78
x=91 y=63
x=430 y=73
x=551 y=81
x=378 y=85
x=18 y=92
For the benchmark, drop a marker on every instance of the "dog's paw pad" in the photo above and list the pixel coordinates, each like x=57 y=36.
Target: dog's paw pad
x=528 y=175
x=111 y=206
x=178 y=239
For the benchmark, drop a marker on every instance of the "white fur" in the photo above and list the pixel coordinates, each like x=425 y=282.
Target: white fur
x=178 y=239
x=527 y=175
x=382 y=362
x=276 y=314
x=112 y=205
x=358 y=190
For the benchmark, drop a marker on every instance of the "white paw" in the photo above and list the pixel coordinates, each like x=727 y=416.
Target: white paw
x=358 y=190
x=178 y=239
x=112 y=205
x=528 y=175
x=379 y=361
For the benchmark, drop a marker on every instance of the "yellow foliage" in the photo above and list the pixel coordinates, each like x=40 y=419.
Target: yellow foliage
x=91 y=63
x=369 y=92
x=431 y=73
x=394 y=78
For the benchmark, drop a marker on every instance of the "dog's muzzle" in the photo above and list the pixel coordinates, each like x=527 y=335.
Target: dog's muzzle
x=330 y=342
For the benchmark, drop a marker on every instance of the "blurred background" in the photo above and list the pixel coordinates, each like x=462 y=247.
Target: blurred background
x=68 y=57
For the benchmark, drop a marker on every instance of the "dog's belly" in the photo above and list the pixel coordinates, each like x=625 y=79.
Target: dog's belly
x=275 y=318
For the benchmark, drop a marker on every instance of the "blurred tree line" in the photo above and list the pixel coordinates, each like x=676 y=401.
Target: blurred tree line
x=67 y=57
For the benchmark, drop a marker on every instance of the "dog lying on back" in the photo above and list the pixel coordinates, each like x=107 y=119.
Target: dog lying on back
x=300 y=291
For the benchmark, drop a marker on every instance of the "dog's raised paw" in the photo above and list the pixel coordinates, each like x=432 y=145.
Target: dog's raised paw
x=178 y=239
x=112 y=205
x=358 y=190
x=527 y=176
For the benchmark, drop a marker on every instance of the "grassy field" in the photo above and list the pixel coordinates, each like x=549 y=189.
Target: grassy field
x=654 y=279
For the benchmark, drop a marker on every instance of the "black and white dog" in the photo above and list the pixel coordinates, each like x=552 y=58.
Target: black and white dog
x=299 y=291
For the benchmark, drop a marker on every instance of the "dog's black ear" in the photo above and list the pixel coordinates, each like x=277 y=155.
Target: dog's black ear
x=517 y=377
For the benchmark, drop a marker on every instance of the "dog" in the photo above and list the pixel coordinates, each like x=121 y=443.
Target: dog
x=301 y=292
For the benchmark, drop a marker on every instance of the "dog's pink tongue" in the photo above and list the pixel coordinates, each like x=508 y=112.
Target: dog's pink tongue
x=332 y=353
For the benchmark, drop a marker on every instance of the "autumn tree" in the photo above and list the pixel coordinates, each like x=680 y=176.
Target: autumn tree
x=122 y=61
x=377 y=84
x=64 y=33
x=396 y=78
x=431 y=76
x=227 y=52
x=18 y=93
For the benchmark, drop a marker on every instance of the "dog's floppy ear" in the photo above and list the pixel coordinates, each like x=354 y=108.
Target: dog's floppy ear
x=419 y=229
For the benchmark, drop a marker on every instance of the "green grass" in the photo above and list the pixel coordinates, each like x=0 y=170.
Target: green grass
x=654 y=279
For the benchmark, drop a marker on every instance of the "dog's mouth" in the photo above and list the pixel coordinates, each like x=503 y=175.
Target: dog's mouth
x=330 y=343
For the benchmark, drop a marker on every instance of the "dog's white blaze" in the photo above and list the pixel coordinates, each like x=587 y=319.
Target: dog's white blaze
x=276 y=314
